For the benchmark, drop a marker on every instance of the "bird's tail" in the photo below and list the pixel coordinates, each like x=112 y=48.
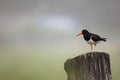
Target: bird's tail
x=104 y=39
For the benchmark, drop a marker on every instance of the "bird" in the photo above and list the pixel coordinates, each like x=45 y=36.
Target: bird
x=91 y=38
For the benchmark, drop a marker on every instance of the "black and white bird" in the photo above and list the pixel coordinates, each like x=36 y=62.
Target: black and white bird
x=91 y=38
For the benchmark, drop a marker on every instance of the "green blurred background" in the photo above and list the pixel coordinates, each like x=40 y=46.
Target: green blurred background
x=38 y=36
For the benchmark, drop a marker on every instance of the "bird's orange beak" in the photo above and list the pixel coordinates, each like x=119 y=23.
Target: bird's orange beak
x=79 y=34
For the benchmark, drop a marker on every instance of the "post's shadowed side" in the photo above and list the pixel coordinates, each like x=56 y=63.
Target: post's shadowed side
x=89 y=66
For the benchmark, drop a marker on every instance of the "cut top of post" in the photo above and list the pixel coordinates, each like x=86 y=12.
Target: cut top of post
x=89 y=66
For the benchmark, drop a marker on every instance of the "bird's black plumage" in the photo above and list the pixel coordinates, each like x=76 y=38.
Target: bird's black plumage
x=87 y=36
x=91 y=38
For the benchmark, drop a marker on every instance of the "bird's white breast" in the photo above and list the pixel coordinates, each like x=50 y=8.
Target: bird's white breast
x=92 y=42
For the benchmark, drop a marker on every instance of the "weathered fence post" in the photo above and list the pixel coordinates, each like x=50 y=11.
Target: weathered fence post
x=89 y=66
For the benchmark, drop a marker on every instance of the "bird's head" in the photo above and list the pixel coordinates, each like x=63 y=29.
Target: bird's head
x=84 y=31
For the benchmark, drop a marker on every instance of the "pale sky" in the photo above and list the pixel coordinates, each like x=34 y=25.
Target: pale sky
x=70 y=16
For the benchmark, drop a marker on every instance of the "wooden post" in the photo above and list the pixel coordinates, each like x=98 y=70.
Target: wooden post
x=89 y=66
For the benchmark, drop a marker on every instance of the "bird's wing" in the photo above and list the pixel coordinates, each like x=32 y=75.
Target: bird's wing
x=95 y=37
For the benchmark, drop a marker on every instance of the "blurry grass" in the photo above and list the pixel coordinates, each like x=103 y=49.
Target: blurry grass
x=40 y=64
x=30 y=65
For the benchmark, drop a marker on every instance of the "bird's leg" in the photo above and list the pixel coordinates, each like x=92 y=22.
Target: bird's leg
x=95 y=44
x=91 y=48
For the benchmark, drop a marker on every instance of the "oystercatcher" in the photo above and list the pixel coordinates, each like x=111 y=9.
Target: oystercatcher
x=91 y=38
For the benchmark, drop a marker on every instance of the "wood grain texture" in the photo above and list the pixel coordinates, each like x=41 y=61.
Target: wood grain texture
x=89 y=66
